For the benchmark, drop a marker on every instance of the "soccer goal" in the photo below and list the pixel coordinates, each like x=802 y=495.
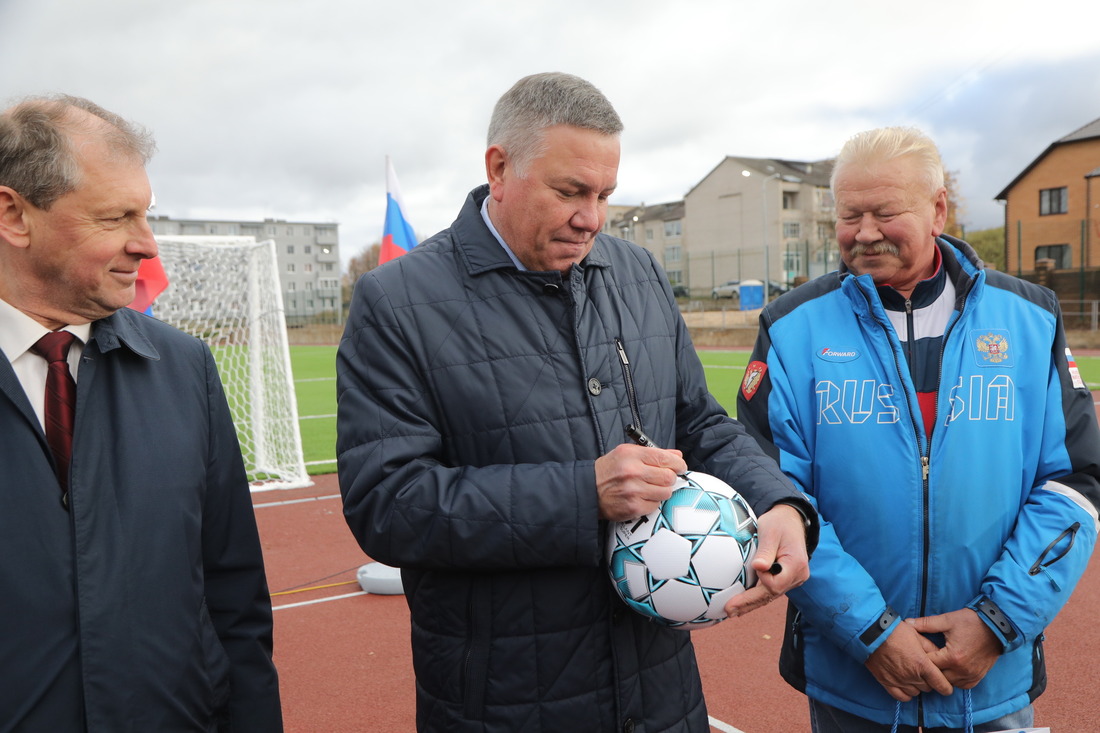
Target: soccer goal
x=226 y=291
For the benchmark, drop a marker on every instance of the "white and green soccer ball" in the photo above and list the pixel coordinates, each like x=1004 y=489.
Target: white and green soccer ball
x=679 y=564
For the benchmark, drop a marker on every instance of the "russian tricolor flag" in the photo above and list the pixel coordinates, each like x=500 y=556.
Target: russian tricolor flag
x=151 y=282
x=397 y=235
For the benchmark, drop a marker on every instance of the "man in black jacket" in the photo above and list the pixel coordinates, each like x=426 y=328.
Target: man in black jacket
x=485 y=382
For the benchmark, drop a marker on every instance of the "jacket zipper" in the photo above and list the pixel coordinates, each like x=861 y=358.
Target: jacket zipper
x=926 y=450
x=628 y=381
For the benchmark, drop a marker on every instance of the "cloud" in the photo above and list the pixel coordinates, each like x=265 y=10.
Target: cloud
x=285 y=109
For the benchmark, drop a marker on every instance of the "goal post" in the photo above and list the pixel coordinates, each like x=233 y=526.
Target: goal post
x=226 y=291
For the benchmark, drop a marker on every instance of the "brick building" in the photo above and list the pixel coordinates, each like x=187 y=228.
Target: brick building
x=1052 y=208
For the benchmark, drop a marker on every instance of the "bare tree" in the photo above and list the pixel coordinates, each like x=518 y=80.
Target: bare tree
x=955 y=207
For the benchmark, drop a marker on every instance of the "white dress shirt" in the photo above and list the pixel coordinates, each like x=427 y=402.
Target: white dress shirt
x=18 y=333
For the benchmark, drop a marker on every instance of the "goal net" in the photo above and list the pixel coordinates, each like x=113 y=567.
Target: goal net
x=226 y=291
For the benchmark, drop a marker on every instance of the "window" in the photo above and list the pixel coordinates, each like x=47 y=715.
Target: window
x=290 y=267
x=1060 y=253
x=792 y=263
x=309 y=286
x=672 y=254
x=649 y=234
x=309 y=249
x=1053 y=201
x=792 y=229
x=291 y=286
x=673 y=228
x=309 y=267
x=823 y=232
x=790 y=199
x=328 y=267
x=290 y=249
x=290 y=231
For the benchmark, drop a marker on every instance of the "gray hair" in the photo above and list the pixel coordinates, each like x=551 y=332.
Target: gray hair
x=539 y=101
x=890 y=143
x=36 y=153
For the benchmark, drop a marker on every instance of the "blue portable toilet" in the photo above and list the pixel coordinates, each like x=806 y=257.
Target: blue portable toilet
x=752 y=294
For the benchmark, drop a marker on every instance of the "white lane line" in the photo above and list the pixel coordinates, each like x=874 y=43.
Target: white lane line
x=724 y=727
x=319 y=600
x=296 y=501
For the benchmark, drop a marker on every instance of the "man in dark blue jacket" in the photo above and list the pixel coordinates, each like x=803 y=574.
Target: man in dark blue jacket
x=132 y=588
x=485 y=382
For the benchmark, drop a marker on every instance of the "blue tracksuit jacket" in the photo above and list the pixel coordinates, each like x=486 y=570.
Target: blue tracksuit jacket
x=995 y=510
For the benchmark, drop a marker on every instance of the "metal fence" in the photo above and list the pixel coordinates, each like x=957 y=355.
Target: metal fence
x=1081 y=315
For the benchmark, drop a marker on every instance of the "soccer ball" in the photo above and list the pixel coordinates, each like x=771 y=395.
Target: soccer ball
x=679 y=564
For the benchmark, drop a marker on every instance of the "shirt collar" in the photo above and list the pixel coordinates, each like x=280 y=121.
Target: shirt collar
x=19 y=332
x=489 y=223
x=926 y=291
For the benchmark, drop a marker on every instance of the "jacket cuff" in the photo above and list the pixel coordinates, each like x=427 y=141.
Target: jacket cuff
x=876 y=630
x=995 y=619
x=810 y=521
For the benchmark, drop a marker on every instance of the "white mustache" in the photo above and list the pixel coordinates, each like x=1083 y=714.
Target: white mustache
x=879 y=248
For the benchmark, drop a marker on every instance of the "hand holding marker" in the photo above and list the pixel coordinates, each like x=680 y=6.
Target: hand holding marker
x=646 y=442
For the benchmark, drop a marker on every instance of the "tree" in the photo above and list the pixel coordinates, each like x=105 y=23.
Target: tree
x=990 y=245
x=363 y=262
x=954 y=205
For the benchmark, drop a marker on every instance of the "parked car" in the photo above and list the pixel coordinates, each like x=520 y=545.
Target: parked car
x=680 y=291
x=776 y=289
x=731 y=289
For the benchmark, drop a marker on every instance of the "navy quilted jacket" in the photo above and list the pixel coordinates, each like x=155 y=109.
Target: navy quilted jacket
x=474 y=400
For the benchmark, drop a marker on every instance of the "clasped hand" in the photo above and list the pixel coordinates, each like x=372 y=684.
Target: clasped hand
x=909 y=663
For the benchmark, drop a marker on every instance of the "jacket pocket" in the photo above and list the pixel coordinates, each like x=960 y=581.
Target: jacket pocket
x=1055 y=551
x=475 y=670
x=215 y=662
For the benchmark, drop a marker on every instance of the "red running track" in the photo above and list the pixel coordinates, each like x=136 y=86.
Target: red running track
x=344 y=660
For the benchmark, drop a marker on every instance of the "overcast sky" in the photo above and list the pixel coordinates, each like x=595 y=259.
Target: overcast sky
x=287 y=109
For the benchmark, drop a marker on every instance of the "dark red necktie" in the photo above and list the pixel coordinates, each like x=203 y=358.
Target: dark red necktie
x=60 y=409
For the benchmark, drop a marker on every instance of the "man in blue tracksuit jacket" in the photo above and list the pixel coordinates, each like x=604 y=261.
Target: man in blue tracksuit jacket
x=932 y=411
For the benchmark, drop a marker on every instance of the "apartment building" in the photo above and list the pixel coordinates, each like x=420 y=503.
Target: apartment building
x=660 y=229
x=761 y=218
x=308 y=258
x=747 y=216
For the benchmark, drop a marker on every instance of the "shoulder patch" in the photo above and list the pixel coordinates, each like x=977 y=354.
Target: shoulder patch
x=754 y=376
x=1074 y=372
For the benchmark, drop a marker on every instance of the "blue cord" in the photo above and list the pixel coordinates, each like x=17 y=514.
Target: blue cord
x=969 y=711
x=897 y=717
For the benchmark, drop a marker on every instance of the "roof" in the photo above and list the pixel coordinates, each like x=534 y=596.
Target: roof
x=670 y=211
x=813 y=173
x=1088 y=132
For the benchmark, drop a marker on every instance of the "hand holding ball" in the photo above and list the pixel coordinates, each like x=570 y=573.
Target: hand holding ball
x=679 y=564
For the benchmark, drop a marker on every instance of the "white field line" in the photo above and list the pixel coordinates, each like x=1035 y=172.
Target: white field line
x=319 y=600
x=296 y=501
x=724 y=727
